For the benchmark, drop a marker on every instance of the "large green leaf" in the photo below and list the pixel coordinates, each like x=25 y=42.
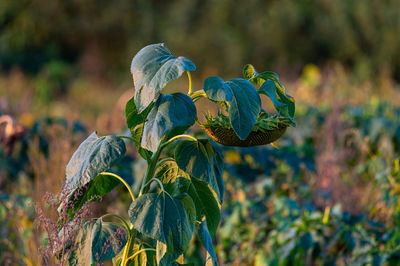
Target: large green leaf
x=97 y=241
x=244 y=102
x=152 y=68
x=201 y=160
x=165 y=219
x=177 y=182
x=206 y=239
x=94 y=155
x=92 y=191
x=171 y=115
x=135 y=122
x=271 y=86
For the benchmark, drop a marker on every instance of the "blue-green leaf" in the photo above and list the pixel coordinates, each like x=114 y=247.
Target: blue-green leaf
x=171 y=115
x=163 y=218
x=244 y=102
x=201 y=160
x=205 y=200
x=95 y=155
x=206 y=239
x=97 y=241
x=283 y=102
x=152 y=68
x=271 y=86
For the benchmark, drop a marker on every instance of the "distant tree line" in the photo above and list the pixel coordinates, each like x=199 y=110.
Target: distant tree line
x=363 y=34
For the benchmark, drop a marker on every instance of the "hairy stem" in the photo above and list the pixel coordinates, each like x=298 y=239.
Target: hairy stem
x=122 y=180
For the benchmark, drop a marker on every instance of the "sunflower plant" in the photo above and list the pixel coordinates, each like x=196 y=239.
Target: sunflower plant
x=180 y=196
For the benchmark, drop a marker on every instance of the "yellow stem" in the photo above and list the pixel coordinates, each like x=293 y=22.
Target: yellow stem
x=123 y=182
x=180 y=136
x=140 y=251
x=119 y=218
x=190 y=82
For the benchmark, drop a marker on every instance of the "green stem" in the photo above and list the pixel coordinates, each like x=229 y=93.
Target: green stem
x=164 y=160
x=119 y=218
x=156 y=180
x=197 y=95
x=123 y=182
x=140 y=251
x=125 y=255
x=151 y=168
x=126 y=137
x=190 y=83
x=179 y=136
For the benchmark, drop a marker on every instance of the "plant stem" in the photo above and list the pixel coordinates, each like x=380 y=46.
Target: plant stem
x=119 y=218
x=180 y=136
x=151 y=168
x=124 y=261
x=126 y=137
x=197 y=95
x=122 y=180
x=157 y=181
x=190 y=83
x=140 y=251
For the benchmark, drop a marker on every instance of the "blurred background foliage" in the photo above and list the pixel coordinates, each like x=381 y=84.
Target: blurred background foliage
x=330 y=193
x=363 y=35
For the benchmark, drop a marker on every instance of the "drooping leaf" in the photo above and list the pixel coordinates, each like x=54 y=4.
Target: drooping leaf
x=283 y=102
x=152 y=68
x=205 y=200
x=135 y=122
x=167 y=254
x=171 y=115
x=94 y=155
x=97 y=241
x=271 y=86
x=163 y=218
x=244 y=102
x=206 y=240
x=201 y=160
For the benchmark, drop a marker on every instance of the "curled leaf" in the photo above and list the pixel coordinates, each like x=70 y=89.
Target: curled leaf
x=152 y=68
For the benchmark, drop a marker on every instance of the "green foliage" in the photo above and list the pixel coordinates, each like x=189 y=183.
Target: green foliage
x=93 y=156
x=98 y=241
x=135 y=122
x=244 y=102
x=152 y=68
x=271 y=86
x=171 y=115
x=267 y=33
x=163 y=217
x=206 y=240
